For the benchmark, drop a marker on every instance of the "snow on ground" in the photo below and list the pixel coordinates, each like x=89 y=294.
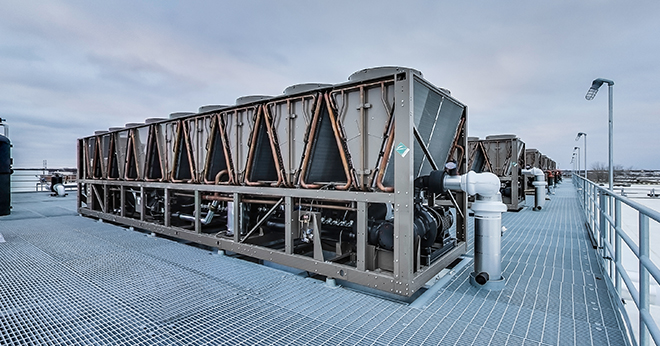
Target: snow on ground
x=630 y=225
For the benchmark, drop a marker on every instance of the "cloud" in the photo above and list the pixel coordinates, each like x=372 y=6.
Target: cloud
x=74 y=67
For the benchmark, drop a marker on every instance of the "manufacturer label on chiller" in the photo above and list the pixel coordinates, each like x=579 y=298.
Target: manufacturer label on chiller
x=402 y=149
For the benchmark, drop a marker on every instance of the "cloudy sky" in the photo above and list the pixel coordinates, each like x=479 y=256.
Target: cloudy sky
x=68 y=68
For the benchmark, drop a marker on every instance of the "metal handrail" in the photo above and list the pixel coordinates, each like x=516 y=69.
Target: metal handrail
x=602 y=209
x=26 y=180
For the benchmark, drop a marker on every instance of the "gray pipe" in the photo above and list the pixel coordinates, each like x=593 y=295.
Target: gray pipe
x=213 y=207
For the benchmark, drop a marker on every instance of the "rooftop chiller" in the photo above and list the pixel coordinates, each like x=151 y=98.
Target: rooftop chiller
x=533 y=158
x=320 y=178
x=503 y=155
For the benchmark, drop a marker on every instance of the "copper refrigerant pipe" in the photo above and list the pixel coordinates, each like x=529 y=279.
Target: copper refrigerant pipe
x=273 y=147
x=220 y=174
x=386 y=158
x=327 y=206
x=225 y=148
x=220 y=129
x=150 y=149
x=255 y=133
x=130 y=143
x=262 y=116
x=186 y=144
x=110 y=161
x=344 y=160
x=308 y=151
x=217 y=198
x=455 y=143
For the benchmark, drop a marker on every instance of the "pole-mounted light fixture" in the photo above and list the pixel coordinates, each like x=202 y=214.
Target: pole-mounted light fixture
x=595 y=85
x=580 y=134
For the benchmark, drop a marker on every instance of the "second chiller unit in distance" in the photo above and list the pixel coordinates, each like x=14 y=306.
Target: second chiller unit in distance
x=503 y=155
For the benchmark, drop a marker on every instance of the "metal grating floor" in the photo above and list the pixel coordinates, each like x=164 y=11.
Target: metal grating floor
x=68 y=280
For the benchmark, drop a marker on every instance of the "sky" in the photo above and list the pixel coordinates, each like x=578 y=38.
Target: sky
x=69 y=68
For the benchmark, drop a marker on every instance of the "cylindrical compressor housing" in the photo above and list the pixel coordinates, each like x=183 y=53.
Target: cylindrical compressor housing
x=5 y=174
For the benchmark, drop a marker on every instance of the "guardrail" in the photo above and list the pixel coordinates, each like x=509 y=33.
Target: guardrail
x=602 y=210
x=28 y=179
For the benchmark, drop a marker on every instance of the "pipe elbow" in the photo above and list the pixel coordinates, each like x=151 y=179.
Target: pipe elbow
x=485 y=184
x=534 y=171
x=59 y=190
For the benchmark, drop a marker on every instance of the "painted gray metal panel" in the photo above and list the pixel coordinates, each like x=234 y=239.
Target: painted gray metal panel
x=239 y=125
x=365 y=111
x=291 y=117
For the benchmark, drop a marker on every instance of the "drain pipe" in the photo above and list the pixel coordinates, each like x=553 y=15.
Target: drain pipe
x=213 y=207
x=488 y=209
x=539 y=186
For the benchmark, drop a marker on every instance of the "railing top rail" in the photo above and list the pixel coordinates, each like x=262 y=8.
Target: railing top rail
x=651 y=213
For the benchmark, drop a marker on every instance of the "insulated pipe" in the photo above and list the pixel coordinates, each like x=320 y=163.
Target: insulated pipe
x=488 y=209
x=539 y=186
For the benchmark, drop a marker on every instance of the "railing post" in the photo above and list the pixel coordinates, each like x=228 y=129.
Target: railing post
x=617 y=245
x=643 y=278
x=594 y=205
x=602 y=224
x=584 y=191
x=611 y=232
x=585 y=186
x=589 y=209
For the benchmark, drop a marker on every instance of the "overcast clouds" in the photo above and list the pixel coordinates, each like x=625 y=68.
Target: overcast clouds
x=68 y=68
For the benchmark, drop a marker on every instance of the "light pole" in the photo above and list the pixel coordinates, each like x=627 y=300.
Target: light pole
x=578 y=158
x=580 y=134
x=573 y=162
x=595 y=85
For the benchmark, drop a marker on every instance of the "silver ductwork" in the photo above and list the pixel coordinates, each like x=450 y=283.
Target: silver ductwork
x=488 y=209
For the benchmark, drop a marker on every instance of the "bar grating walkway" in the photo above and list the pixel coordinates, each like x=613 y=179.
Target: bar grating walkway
x=68 y=280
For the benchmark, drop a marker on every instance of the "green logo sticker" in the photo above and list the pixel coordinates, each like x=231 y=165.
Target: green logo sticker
x=402 y=149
